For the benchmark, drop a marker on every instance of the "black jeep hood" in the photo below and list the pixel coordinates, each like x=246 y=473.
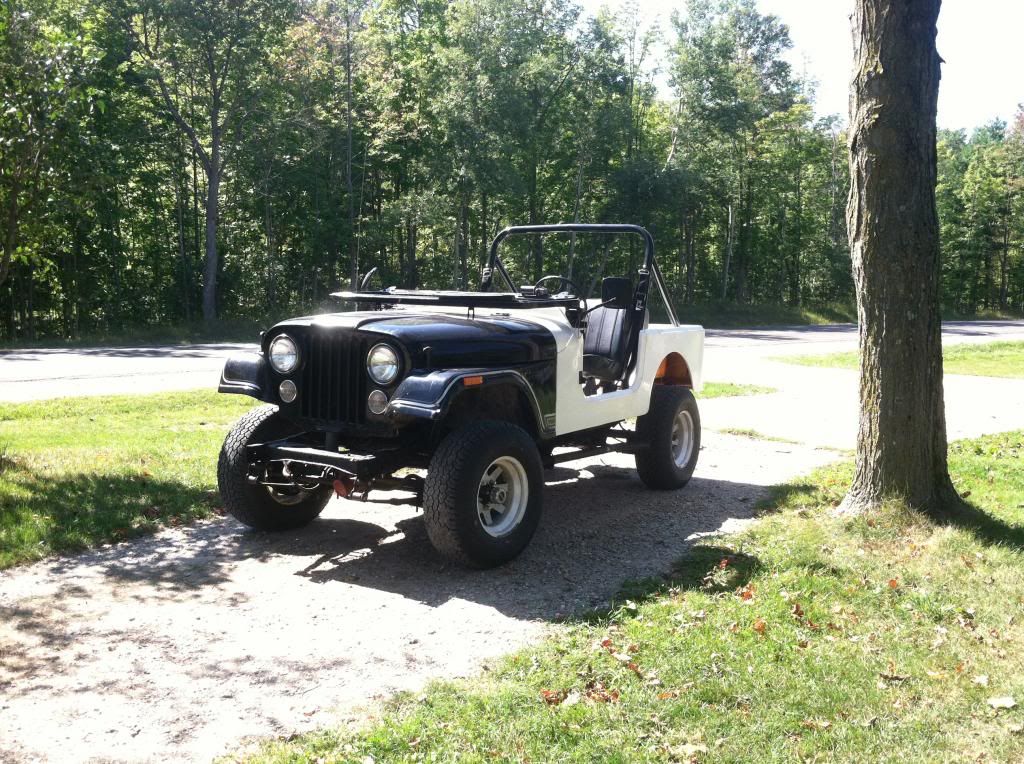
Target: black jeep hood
x=438 y=341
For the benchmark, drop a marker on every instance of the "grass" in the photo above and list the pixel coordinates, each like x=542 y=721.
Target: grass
x=745 y=432
x=77 y=472
x=806 y=637
x=728 y=390
x=992 y=359
x=724 y=315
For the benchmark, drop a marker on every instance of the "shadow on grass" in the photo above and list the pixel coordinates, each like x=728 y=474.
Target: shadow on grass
x=40 y=515
x=706 y=568
x=986 y=528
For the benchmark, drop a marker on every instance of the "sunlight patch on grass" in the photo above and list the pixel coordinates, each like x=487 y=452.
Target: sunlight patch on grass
x=728 y=389
x=993 y=359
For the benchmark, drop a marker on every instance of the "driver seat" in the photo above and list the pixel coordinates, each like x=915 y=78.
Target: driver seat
x=606 y=339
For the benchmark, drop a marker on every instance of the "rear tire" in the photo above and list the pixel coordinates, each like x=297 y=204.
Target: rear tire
x=482 y=498
x=669 y=434
x=255 y=505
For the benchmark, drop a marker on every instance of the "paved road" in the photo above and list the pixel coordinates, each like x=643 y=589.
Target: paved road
x=51 y=373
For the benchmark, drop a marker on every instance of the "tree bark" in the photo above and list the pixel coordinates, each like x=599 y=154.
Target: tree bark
x=210 y=266
x=894 y=242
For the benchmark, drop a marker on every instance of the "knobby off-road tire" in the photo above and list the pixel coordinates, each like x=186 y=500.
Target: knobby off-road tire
x=669 y=434
x=483 y=494
x=255 y=505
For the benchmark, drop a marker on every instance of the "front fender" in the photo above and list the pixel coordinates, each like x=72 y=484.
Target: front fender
x=429 y=396
x=245 y=374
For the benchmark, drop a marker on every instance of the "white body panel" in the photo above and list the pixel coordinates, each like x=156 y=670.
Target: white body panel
x=576 y=411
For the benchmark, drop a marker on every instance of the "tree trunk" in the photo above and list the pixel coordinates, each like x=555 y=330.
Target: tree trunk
x=211 y=265
x=894 y=241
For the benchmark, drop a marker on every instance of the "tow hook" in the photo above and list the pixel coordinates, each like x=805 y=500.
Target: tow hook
x=343 y=486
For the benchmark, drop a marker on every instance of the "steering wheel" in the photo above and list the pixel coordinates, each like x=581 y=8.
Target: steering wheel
x=562 y=280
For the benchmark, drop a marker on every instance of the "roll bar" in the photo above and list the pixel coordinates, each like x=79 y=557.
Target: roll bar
x=648 y=269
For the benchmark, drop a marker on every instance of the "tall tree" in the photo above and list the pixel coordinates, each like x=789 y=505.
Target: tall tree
x=202 y=56
x=894 y=240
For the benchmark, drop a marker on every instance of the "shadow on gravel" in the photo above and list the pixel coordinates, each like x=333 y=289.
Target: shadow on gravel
x=601 y=527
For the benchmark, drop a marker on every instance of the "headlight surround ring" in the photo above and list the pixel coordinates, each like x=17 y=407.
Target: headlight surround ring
x=283 y=354
x=383 y=364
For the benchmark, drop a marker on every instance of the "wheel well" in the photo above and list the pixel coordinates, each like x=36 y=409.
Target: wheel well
x=673 y=370
x=501 y=403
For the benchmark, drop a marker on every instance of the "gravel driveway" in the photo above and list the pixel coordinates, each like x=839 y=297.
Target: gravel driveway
x=180 y=646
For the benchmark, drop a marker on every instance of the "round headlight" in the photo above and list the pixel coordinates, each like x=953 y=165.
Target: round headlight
x=382 y=363
x=283 y=354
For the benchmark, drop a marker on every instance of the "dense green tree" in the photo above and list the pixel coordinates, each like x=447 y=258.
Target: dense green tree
x=162 y=161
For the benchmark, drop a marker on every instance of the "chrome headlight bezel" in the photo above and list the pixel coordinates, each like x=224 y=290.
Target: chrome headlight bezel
x=283 y=366
x=388 y=364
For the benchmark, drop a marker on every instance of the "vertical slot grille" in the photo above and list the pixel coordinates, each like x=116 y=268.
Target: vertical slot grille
x=333 y=382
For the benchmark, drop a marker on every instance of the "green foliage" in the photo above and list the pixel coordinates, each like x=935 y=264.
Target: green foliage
x=76 y=472
x=808 y=637
x=334 y=137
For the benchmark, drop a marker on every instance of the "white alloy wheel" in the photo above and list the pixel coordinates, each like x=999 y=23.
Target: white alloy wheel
x=502 y=496
x=682 y=438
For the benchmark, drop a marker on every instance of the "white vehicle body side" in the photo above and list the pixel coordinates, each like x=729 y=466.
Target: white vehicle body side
x=576 y=411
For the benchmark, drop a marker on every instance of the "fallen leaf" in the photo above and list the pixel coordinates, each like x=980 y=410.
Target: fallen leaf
x=1002 y=702
x=894 y=583
x=553 y=697
x=815 y=724
x=747 y=593
x=599 y=694
x=669 y=695
x=760 y=626
x=798 y=612
x=894 y=677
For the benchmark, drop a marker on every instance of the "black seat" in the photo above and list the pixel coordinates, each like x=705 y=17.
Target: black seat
x=606 y=341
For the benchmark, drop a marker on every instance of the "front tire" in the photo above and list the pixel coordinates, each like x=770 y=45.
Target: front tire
x=669 y=434
x=482 y=498
x=258 y=506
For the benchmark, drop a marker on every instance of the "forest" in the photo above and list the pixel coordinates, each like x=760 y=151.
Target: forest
x=167 y=162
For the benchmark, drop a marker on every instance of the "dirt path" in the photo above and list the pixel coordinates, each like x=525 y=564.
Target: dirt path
x=180 y=646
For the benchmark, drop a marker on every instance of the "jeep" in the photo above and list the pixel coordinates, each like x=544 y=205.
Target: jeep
x=462 y=399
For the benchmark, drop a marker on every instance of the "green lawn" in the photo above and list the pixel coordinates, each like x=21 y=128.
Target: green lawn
x=993 y=359
x=76 y=472
x=806 y=638
x=727 y=389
